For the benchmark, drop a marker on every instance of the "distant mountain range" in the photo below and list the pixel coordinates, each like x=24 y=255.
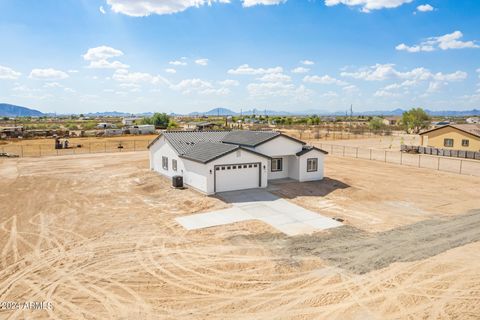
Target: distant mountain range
x=396 y=112
x=10 y=110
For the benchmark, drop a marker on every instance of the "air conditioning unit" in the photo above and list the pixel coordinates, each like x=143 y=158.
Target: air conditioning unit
x=177 y=181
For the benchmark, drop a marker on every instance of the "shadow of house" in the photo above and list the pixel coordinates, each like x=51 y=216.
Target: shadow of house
x=291 y=189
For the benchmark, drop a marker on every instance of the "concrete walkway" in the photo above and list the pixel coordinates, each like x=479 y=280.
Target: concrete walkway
x=258 y=204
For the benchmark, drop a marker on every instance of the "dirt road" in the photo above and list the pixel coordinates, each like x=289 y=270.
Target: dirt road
x=95 y=235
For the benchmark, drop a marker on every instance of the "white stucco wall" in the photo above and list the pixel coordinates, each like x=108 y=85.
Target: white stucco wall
x=279 y=146
x=302 y=163
x=163 y=148
x=293 y=170
x=278 y=174
x=195 y=174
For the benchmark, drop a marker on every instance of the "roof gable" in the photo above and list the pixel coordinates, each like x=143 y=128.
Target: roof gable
x=472 y=129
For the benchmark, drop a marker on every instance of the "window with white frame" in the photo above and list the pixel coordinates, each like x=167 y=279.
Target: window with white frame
x=165 y=163
x=174 y=165
x=448 y=143
x=312 y=164
x=277 y=164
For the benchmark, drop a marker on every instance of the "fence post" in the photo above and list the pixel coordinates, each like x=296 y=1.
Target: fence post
x=370 y=154
x=419 y=160
x=461 y=165
x=385 y=155
x=438 y=163
x=134 y=145
x=105 y=146
x=401 y=157
x=356 y=153
x=21 y=149
x=40 y=150
x=343 y=151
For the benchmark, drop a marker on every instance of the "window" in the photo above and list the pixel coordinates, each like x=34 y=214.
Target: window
x=174 y=165
x=448 y=143
x=165 y=163
x=465 y=143
x=312 y=164
x=277 y=164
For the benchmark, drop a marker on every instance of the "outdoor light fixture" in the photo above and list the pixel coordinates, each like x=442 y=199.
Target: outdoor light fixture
x=210 y=171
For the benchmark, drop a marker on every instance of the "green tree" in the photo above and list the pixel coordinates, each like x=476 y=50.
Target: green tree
x=415 y=120
x=159 y=120
x=376 y=123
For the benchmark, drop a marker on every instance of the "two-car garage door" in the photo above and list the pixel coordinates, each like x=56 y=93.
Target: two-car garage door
x=237 y=176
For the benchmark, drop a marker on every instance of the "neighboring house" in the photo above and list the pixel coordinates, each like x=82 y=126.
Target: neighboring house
x=218 y=161
x=473 y=120
x=390 y=121
x=142 y=129
x=105 y=125
x=453 y=136
x=130 y=121
x=200 y=126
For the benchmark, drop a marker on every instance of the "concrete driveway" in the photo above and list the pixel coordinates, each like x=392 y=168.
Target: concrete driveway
x=258 y=204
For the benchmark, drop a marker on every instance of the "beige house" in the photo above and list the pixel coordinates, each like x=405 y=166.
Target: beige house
x=453 y=136
x=391 y=121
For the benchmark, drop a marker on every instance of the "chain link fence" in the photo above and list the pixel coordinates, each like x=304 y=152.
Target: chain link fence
x=40 y=150
x=460 y=166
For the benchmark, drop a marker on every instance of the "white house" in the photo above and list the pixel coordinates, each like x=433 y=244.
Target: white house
x=218 y=161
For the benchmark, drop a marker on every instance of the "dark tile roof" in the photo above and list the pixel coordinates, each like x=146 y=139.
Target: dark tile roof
x=208 y=151
x=249 y=138
x=307 y=149
x=205 y=146
x=183 y=141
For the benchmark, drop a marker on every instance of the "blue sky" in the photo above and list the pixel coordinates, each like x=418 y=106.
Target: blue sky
x=78 y=56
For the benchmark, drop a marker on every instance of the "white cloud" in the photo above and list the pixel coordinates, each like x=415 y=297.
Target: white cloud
x=278 y=89
x=123 y=75
x=199 y=86
x=52 y=85
x=144 y=8
x=7 y=73
x=445 y=42
x=330 y=94
x=350 y=89
x=368 y=5
x=326 y=79
x=102 y=10
x=245 y=69
x=72 y=71
x=178 y=63
x=229 y=83
x=307 y=62
x=384 y=93
x=251 y=3
x=275 y=77
x=99 y=58
x=380 y=72
x=202 y=62
x=425 y=8
x=300 y=70
x=170 y=70
x=47 y=74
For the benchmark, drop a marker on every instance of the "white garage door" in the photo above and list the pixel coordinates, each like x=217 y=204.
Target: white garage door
x=237 y=176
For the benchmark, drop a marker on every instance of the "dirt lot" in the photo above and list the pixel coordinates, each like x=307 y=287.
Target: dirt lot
x=95 y=236
x=46 y=146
